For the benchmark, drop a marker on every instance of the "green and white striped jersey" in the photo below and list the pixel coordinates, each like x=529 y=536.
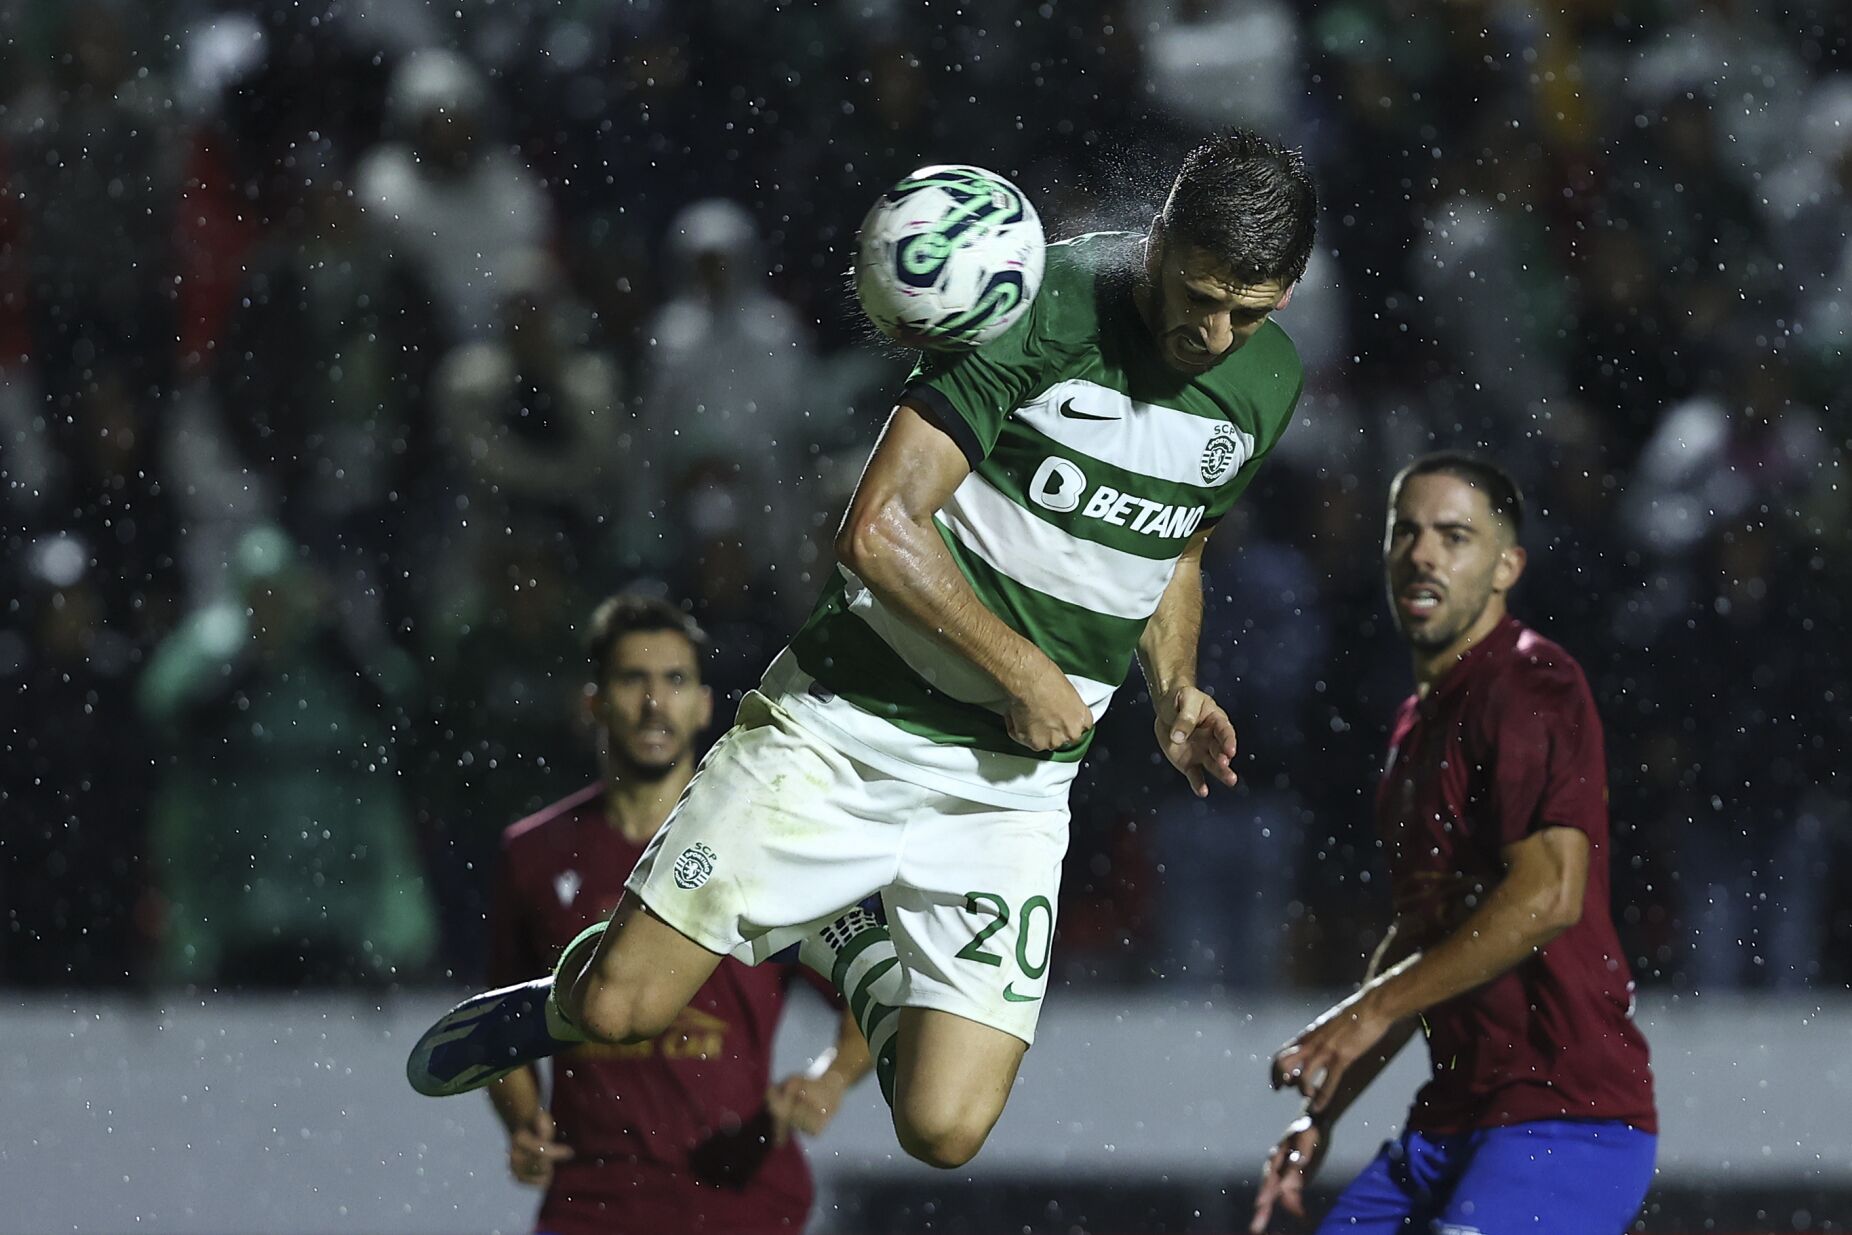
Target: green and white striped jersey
x=1093 y=464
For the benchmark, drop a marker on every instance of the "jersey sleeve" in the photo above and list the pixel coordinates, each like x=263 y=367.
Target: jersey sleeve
x=1277 y=409
x=970 y=394
x=1548 y=767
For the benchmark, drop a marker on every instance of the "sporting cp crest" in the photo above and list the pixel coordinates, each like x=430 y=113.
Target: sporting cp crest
x=694 y=866
x=1220 y=455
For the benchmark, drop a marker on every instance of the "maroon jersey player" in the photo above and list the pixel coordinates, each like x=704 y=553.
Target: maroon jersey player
x=1493 y=815
x=684 y=1132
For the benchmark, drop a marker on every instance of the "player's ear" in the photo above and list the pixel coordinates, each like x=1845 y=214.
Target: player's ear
x=591 y=701
x=1511 y=561
x=707 y=707
x=1154 y=245
x=1287 y=298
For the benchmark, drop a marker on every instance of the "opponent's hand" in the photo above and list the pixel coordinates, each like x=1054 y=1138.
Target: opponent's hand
x=804 y=1104
x=1289 y=1168
x=1314 y=1062
x=534 y=1150
x=1047 y=713
x=1197 y=737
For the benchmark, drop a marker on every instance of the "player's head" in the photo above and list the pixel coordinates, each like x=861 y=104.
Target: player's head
x=1451 y=550
x=1233 y=237
x=646 y=695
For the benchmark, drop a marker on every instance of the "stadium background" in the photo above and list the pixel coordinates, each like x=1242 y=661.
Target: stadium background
x=301 y=506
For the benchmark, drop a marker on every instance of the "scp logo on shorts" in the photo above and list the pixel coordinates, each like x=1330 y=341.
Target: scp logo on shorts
x=694 y=866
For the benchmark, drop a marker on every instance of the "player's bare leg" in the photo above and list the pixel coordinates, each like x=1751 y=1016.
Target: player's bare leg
x=945 y=1077
x=642 y=973
x=952 y=1080
x=621 y=981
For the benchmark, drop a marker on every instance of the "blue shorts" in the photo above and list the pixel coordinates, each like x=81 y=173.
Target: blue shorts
x=1558 y=1176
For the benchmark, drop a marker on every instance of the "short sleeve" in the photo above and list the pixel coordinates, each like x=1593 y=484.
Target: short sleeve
x=1276 y=416
x=970 y=394
x=1548 y=767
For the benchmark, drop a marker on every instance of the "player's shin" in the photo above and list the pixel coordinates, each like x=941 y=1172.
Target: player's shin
x=855 y=955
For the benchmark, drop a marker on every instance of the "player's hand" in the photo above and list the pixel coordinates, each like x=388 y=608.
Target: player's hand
x=1197 y=737
x=1314 y=1063
x=1047 y=713
x=534 y=1150
x=804 y=1104
x=1288 y=1169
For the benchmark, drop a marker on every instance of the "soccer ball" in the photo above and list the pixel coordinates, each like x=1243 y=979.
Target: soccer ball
x=949 y=258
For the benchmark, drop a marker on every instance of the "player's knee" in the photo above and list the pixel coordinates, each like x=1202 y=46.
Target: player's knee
x=940 y=1135
x=616 y=1013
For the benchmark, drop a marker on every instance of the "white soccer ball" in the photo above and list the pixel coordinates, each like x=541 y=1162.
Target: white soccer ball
x=949 y=258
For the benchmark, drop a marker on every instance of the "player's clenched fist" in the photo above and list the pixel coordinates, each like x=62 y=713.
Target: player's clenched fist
x=1047 y=712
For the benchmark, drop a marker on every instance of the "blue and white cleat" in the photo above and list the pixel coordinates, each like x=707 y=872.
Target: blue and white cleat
x=486 y=1037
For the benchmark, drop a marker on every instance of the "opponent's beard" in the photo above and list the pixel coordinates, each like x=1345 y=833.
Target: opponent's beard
x=627 y=766
x=1436 y=637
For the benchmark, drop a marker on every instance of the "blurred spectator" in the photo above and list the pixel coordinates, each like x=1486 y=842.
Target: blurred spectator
x=1752 y=834
x=726 y=391
x=1223 y=62
x=454 y=202
x=280 y=839
x=533 y=417
x=95 y=169
x=1722 y=455
x=74 y=777
x=501 y=732
x=1231 y=868
x=322 y=390
x=109 y=490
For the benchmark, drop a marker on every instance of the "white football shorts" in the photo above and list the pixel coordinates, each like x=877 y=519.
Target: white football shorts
x=780 y=832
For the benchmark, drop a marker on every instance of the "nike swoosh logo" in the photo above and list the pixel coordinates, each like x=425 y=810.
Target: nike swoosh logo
x=1009 y=992
x=1067 y=409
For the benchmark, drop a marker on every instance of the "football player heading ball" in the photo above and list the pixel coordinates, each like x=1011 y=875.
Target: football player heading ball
x=1032 y=519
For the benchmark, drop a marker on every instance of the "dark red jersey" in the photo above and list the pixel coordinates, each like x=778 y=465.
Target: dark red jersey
x=671 y=1134
x=1507 y=743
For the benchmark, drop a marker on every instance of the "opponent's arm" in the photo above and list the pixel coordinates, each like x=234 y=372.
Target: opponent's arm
x=532 y=1147
x=1193 y=731
x=1540 y=897
x=1295 y=1160
x=889 y=539
x=808 y=1101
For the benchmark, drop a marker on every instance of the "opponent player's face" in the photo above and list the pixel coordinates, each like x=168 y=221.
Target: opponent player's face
x=652 y=705
x=1202 y=313
x=1446 y=556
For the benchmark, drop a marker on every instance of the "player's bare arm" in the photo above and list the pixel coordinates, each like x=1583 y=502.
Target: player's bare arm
x=533 y=1147
x=889 y=540
x=1193 y=731
x=1295 y=1160
x=808 y=1101
x=1540 y=897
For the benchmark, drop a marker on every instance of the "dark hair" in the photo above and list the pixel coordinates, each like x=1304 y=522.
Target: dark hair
x=629 y=613
x=1249 y=201
x=1501 y=492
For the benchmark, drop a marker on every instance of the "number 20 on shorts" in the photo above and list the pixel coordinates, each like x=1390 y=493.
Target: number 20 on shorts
x=982 y=903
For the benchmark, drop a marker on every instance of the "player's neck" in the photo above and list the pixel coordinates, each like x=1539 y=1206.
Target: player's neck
x=639 y=806
x=1431 y=667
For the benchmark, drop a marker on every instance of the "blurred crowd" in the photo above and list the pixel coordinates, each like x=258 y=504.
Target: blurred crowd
x=347 y=358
